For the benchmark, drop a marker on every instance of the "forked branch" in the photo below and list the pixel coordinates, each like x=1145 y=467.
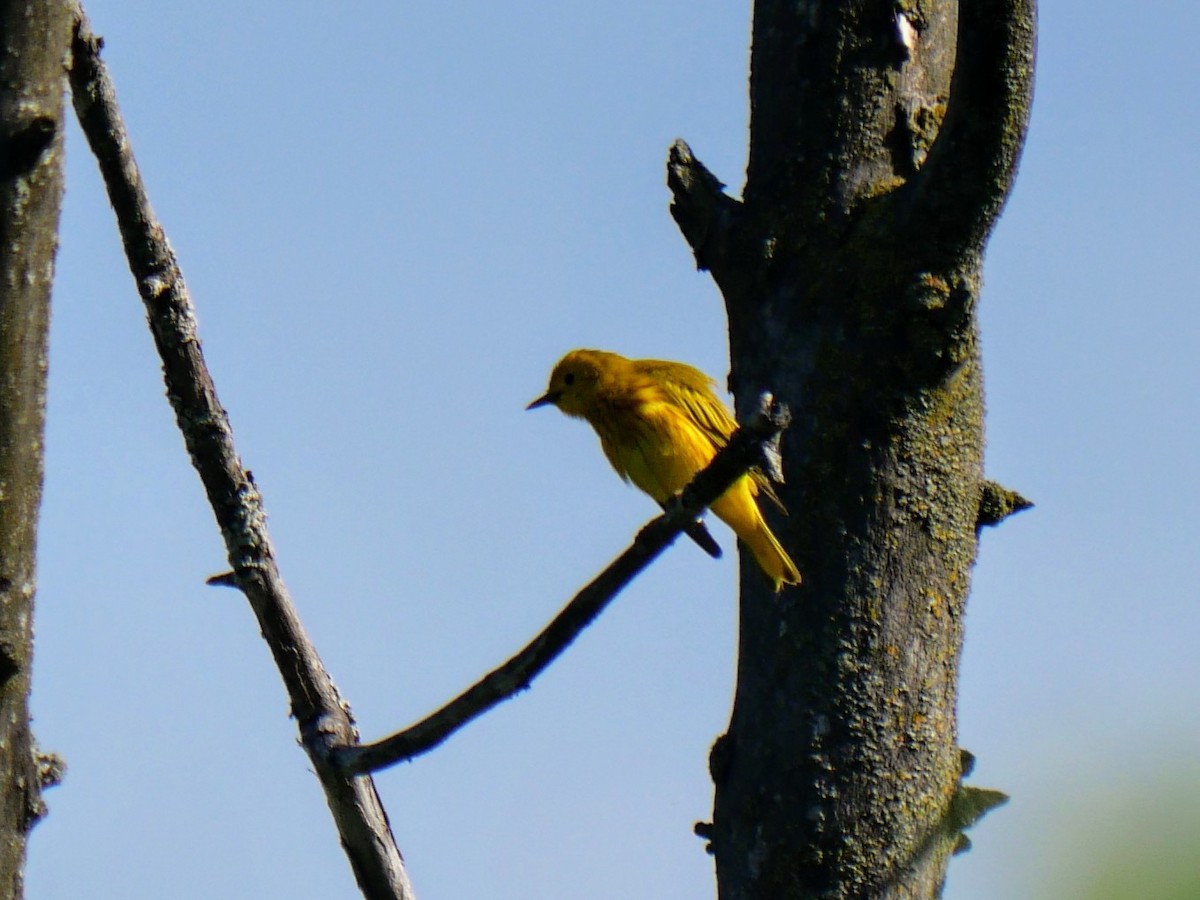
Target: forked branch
x=972 y=164
x=322 y=717
x=326 y=727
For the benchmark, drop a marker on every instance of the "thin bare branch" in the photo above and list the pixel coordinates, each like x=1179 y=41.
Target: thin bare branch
x=751 y=446
x=320 y=712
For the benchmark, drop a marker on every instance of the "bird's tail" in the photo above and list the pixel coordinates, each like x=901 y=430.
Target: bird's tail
x=771 y=557
x=739 y=511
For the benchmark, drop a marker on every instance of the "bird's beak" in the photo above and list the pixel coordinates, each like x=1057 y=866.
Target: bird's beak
x=547 y=399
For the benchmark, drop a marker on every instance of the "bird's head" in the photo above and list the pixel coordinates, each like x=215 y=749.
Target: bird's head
x=573 y=383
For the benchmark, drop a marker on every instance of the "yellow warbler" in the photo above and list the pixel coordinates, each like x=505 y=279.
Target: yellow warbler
x=660 y=423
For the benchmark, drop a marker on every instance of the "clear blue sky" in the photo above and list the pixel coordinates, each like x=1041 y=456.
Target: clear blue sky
x=394 y=219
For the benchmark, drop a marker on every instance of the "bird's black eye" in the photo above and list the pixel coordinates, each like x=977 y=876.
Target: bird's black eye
x=569 y=378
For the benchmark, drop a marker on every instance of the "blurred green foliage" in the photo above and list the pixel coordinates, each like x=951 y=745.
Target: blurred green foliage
x=1134 y=842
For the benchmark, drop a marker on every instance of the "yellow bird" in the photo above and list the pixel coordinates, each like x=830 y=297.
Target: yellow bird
x=660 y=423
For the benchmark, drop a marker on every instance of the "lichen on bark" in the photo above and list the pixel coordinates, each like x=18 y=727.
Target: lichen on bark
x=884 y=139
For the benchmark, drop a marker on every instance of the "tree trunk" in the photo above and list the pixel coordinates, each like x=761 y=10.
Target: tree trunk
x=34 y=37
x=879 y=160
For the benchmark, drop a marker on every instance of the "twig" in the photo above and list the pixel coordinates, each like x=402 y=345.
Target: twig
x=320 y=713
x=750 y=446
x=997 y=503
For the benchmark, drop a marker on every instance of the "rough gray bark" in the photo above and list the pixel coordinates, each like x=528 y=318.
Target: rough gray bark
x=34 y=37
x=879 y=160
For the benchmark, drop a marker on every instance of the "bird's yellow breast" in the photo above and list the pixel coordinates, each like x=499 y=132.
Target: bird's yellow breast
x=654 y=445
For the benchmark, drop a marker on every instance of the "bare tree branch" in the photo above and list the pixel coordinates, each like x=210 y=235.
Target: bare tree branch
x=321 y=714
x=752 y=445
x=972 y=163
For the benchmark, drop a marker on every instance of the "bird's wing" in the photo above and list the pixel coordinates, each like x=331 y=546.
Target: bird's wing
x=763 y=483
x=695 y=393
